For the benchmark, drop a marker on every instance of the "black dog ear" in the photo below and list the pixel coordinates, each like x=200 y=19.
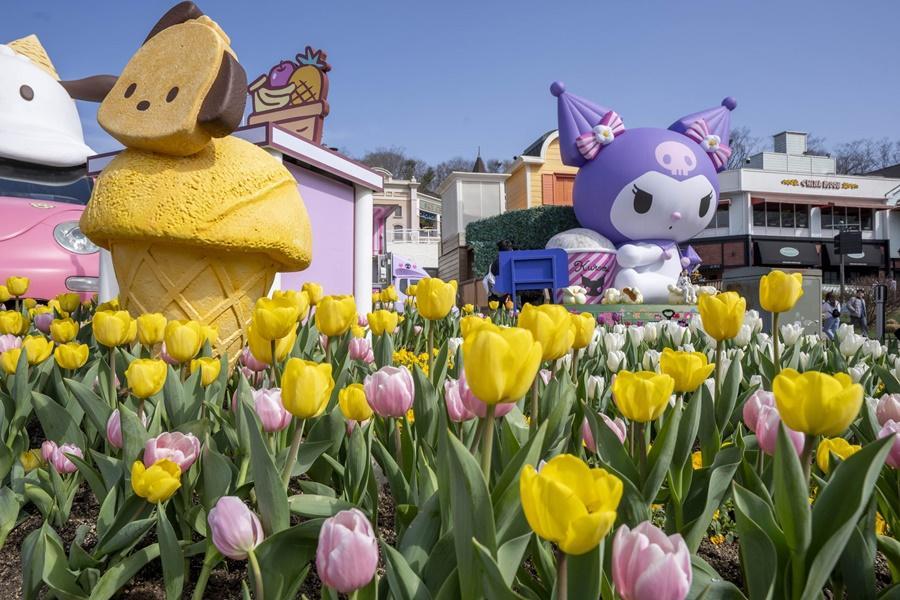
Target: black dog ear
x=180 y=13
x=90 y=89
x=223 y=107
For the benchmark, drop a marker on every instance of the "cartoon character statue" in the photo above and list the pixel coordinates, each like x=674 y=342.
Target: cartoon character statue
x=198 y=221
x=644 y=189
x=38 y=119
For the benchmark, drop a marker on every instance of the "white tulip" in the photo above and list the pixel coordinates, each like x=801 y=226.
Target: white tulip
x=615 y=360
x=676 y=332
x=756 y=380
x=619 y=328
x=843 y=330
x=650 y=362
x=753 y=320
x=790 y=333
x=857 y=373
x=696 y=323
x=613 y=341
x=651 y=332
x=873 y=349
x=453 y=345
x=804 y=360
x=687 y=348
x=595 y=386
x=635 y=335
x=743 y=336
x=850 y=344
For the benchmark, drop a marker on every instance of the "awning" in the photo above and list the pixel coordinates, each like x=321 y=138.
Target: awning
x=788 y=253
x=871 y=256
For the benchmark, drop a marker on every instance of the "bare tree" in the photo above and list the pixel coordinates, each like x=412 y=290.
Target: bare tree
x=396 y=161
x=866 y=155
x=815 y=144
x=743 y=145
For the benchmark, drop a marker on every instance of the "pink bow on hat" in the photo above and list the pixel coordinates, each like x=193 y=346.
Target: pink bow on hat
x=718 y=151
x=590 y=143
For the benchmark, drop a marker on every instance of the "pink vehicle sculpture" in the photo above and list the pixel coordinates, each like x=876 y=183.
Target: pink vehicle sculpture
x=43 y=183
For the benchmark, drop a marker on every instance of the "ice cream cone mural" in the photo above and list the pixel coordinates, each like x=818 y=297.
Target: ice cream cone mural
x=198 y=222
x=294 y=95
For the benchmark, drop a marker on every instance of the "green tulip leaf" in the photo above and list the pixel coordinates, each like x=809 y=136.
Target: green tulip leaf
x=57 y=422
x=404 y=583
x=791 y=495
x=422 y=534
x=310 y=506
x=171 y=555
x=284 y=559
x=495 y=586
x=271 y=497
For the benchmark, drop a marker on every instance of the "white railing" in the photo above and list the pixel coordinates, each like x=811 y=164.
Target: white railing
x=416 y=236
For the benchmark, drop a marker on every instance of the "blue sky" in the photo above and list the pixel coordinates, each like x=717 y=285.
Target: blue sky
x=441 y=79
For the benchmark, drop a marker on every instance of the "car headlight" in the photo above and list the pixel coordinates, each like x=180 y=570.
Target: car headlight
x=69 y=236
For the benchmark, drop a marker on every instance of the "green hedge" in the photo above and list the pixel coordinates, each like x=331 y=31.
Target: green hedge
x=527 y=229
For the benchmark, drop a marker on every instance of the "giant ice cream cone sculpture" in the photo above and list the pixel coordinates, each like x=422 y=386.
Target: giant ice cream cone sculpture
x=198 y=222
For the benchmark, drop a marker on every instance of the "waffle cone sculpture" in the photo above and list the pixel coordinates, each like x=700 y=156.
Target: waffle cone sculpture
x=198 y=222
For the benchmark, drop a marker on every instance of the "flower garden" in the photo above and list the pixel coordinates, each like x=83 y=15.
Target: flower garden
x=427 y=451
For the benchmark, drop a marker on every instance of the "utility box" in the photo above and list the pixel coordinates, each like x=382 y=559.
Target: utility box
x=523 y=270
x=808 y=310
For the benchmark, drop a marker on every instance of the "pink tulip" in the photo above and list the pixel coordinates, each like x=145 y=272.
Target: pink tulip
x=182 y=449
x=754 y=404
x=362 y=321
x=477 y=406
x=42 y=321
x=251 y=362
x=347 y=554
x=323 y=341
x=767 y=431
x=456 y=410
x=165 y=356
x=546 y=375
x=888 y=408
x=648 y=565
x=236 y=529
x=617 y=426
x=9 y=342
x=360 y=349
x=56 y=456
x=114 y=428
x=892 y=427
x=270 y=410
x=390 y=391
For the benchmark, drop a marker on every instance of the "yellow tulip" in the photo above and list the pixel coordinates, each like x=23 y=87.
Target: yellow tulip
x=569 y=503
x=642 y=396
x=382 y=321
x=158 y=483
x=468 y=309
x=470 y=324
x=209 y=369
x=71 y=356
x=69 y=302
x=151 y=329
x=500 y=363
x=37 y=348
x=779 y=291
x=39 y=310
x=435 y=298
x=722 y=314
x=376 y=298
x=584 y=329
x=131 y=336
x=306 y=387
x=493 y=304
x=388 y=295
x=261 y=349
x=4 y=294
x=109 y=305
x=29 y=303
x=817 y=403
x=274 y=318
x=837 y=446
x=13 y=323
x=111 y=327
x=210 y=334
x=688 y=369
x=299 y=299
x=335 y=315
x=314 y=292
x=63 y=330
x=411 y=289
x=357 y=331
x=9 y=360
x=353 y=403
x=17 y=286
x=146 y=376
x=31 y=459
x=552 y=326
x=55 y=306
x=183 y=339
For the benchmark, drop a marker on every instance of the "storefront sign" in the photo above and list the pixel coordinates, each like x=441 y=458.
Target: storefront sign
x=789 y=252
x=823 y=184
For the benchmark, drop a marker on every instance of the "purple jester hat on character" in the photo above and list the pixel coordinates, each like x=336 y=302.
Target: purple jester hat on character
x=644 y=189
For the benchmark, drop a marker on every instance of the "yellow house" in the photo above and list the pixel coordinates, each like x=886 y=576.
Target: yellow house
x=538 y=176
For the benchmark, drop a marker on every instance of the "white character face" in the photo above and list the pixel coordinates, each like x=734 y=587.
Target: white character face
x=656 y=206
x=38 y=120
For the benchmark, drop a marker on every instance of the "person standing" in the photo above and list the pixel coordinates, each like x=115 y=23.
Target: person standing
x=831 y=315
x=856 y=307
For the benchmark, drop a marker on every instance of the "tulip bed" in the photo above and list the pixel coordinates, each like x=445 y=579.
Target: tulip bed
x=427 y=451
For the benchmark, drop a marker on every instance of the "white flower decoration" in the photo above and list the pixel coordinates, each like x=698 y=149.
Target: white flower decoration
x=711 y=142
x=604 y=134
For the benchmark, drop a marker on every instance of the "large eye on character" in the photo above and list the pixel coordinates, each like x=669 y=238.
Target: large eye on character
x=173 y=93
x=27 y=93
x=129 y=91
x=642 y=201
x=704 y=204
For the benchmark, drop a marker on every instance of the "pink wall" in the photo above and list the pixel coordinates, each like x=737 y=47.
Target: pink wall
x=330 y=207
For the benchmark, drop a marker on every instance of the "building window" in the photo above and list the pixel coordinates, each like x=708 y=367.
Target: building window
x=837 y=217
x=781 y=214
x=866 y=218
x=759 y=214
x=801 y=216
x=398 y=212
x=720 y=218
